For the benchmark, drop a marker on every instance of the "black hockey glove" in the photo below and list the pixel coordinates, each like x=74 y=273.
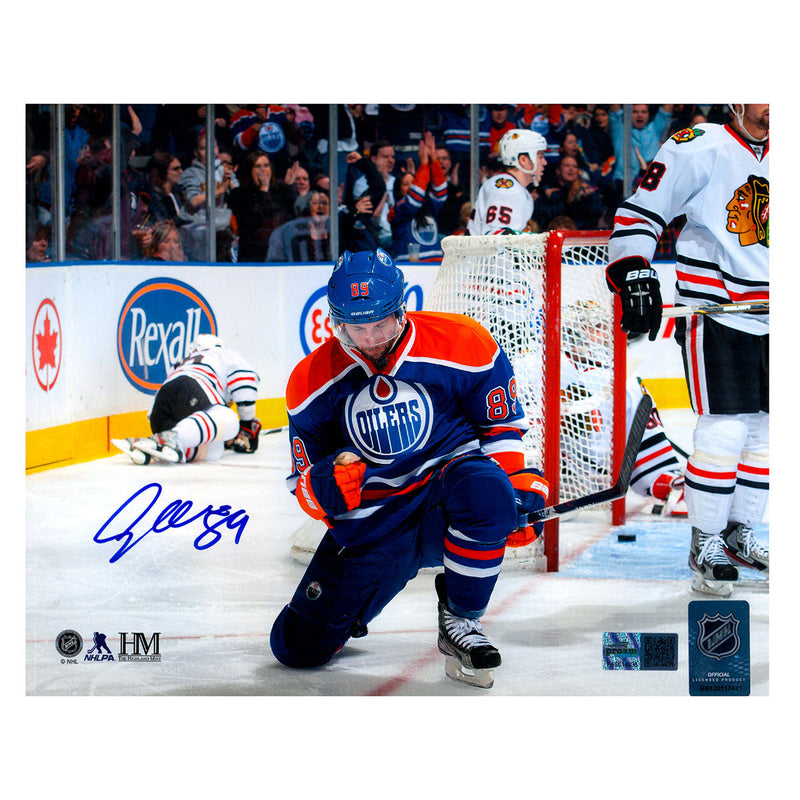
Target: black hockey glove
x=247 y=440
x=636 y=283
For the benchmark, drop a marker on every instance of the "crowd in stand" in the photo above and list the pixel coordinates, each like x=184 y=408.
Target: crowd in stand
x=403 y=176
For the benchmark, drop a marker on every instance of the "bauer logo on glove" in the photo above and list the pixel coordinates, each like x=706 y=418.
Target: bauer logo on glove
x=531 y=490
x=636 y=283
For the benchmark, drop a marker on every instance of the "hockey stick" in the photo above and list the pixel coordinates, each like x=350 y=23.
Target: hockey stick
x=762 y=306
x=620 y=488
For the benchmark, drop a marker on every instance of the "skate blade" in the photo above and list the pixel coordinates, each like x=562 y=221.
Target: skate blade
x=716 y=588
x=126 y=446
x=482 y=678
x=151 y=448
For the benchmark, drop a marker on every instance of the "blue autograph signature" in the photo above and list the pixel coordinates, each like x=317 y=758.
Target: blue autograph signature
x=173 y=516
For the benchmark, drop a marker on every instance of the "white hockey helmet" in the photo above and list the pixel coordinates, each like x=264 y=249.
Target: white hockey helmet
x=518 y=141
x=205 y=341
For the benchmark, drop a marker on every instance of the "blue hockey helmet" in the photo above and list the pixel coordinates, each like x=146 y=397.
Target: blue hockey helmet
x=365 y=288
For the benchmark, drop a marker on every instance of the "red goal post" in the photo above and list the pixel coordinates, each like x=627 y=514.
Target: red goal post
x=545 y=300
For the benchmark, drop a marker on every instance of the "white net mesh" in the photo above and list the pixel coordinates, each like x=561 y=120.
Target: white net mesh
x=501 y=282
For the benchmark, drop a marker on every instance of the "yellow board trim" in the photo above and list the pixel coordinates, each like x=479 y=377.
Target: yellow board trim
x=87 y=440
x=668 y=392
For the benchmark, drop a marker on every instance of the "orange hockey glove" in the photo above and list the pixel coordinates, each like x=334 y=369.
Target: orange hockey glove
x=531 y=490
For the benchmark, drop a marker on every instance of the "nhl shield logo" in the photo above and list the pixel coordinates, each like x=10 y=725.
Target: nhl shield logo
x=718 y=636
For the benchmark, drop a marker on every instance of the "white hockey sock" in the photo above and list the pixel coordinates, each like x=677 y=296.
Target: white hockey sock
x=217 y=423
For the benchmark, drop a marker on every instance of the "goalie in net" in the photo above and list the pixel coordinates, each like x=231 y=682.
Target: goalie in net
x=544 y=299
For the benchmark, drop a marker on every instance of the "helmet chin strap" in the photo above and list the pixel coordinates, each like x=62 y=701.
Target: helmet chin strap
x=739 y=115
x=531 y=172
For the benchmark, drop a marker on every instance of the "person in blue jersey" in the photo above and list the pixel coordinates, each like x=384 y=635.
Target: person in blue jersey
x=406 y=440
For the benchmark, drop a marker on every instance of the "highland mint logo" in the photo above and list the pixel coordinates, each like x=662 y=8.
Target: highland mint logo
x=136 y=646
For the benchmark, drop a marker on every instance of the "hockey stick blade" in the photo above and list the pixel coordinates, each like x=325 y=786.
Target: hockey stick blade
x=620 y=488
x=760 y=307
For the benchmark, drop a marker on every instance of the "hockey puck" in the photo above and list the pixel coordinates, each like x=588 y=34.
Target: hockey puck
x=626 y=537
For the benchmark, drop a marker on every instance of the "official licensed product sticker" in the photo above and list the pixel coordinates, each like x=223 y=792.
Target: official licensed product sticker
x=719 y=648
x=640 y=651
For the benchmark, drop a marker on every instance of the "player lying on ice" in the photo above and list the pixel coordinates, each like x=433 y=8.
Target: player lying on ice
x=406 y=439
x=191 y=417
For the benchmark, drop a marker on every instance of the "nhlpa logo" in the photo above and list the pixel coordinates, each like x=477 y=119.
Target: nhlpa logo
x=159 y=320
x=388 y=418
x=718 y=636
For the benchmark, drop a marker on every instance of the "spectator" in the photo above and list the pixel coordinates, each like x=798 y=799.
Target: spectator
x=299 y=184
x=76 y=136
x=306 y=238
x=545 y=120
x=38 y=251
x=646 y=134
x=355 y=229
x=37 y=164
x=356 y=133
x=463 y=218
x=260 y=204
x=164 y=242
x=403 y=124
x=567 y=192
x=449 y=219
x=164 y=171
x=496 y=125
x=455 y=125
x=272 y=129
x=418 y=197
x=380 y=163
x=89 y=232
x=562 y=223
x=193 y=218
x=598 y=147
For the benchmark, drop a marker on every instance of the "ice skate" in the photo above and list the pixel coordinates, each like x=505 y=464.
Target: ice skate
x=743 y=549
x=161 y=446
x=126 y=445
x=469 y=656
x=713 y=572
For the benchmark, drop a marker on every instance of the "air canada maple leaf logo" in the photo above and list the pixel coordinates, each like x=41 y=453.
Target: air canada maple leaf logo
x=47 y=342
x=46 y=345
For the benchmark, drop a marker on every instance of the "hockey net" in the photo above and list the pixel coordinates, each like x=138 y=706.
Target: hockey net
x=544 y=299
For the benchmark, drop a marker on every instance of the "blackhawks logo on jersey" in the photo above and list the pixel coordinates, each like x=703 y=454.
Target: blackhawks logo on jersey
x=686 y=135
x=748 y=212
x=504 y=183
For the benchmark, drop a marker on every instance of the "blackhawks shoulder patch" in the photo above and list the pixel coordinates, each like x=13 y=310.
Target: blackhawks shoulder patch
x=686 y=135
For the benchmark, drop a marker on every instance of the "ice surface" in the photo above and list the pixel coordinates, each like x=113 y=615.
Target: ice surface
x=213 y=607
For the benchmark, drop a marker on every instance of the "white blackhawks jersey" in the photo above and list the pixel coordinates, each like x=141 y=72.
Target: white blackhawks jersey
x=720 y=181
x=502 y=202
x=223 y=374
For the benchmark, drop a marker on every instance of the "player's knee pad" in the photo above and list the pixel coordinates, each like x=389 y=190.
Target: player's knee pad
x=479 y=500
x=300 y=642
x=227 y=422
x=719 y=439
x=756 y=445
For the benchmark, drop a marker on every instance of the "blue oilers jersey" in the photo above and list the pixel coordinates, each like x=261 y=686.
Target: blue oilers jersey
x=448 y=391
